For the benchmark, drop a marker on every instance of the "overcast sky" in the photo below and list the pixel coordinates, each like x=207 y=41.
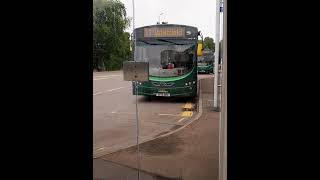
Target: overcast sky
x=198 y=13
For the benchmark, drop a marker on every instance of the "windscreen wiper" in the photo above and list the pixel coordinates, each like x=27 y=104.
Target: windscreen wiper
x=147 y=42
x=164 y=40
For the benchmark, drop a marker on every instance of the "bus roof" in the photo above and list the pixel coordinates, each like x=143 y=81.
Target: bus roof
x=157 y=25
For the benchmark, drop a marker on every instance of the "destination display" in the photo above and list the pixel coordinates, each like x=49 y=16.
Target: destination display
x=164 y=32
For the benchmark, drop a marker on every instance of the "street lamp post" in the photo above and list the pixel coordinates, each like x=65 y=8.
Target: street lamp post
x=159 y=18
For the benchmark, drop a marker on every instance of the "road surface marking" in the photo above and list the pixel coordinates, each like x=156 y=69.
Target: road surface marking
x=168 y=115
x=157 y=122
x=114 y=89
x=104 y=77
x=97 y=93
x=188 y=106
x=110 y=90
x=181 y=119
x=187 y=114
x=101 y=78
x=100 y=149
x=115 y=112
x=188 y=110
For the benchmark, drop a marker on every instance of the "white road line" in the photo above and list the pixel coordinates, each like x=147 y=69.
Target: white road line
x=99 y=149
x=96 y=78
x=168 y=115
x=110 y=90
x=114 y=89
x=101 y=78
x=97 y=93
x=105 y=76
x=181 y=119
x=115 y=112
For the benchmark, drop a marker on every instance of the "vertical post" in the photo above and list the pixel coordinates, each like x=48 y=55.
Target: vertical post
x=223 y=114
x=220 y=67
x=137 y=118
x=133 y=14
x=134 y=34
x=216 y=61
x=136 y=88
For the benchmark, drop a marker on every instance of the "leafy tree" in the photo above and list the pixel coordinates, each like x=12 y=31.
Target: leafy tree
x=209 y=43
x=111 y=45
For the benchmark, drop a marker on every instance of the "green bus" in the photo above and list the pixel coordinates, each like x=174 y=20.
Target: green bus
x=206 y=62
x=171 y=51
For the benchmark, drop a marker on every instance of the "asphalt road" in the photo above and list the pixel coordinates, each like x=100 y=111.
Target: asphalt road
x=114 y=114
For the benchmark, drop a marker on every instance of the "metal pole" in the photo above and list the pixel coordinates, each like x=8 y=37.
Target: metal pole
x=136 y=88
x=220 y=67
x=216 y=73
x=137 y=118
x=223 y=114
x=133 y=27
x=133 y=14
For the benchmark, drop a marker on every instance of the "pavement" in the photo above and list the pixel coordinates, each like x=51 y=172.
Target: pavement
x=191 y=153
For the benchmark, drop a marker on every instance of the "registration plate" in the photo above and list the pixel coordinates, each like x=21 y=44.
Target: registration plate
x=163 y=94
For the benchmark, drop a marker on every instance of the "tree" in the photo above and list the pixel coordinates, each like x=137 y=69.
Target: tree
x=111 y=45
x=209 y=43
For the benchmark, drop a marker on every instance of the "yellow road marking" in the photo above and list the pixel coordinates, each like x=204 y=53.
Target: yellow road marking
x=187 y=114
x=188 y=106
